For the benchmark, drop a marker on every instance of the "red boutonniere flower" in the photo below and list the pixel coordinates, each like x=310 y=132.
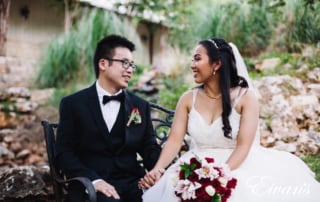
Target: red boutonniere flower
x=135 y=116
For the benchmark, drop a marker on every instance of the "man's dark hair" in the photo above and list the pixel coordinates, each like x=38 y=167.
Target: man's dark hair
x=105 y=48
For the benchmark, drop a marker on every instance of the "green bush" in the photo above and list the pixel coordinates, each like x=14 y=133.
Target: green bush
x=307 y=26
x=248 y=26
x=60 y=63
x=69 y=58
x=173 y=88
x=251 y=26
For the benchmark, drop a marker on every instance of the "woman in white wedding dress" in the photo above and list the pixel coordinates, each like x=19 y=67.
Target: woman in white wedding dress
x=221 y=117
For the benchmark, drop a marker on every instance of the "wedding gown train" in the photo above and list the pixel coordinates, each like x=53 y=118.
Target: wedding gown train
x=267 y=175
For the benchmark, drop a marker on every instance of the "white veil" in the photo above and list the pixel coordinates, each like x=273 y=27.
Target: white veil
x=243 y=71
x=241 y=66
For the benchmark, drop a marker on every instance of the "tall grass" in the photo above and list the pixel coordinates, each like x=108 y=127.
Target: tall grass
x=252 y=27
x=249 y=26
x=307 y=26
x=68 y=59
x=60 y=63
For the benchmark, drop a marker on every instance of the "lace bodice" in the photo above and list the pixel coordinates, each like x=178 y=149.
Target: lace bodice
x=204 y=136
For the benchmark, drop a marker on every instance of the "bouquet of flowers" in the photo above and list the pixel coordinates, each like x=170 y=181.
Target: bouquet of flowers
x=204 y=181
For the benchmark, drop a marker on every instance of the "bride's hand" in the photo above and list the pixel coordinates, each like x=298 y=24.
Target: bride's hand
x=150 y=178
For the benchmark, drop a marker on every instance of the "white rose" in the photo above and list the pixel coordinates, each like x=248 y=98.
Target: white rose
x=210 y=190
x=223 y=181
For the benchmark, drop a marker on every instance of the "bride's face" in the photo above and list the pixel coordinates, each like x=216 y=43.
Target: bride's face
x=200 y=66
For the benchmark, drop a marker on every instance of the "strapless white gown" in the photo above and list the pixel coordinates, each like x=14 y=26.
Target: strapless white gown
x=267 y=175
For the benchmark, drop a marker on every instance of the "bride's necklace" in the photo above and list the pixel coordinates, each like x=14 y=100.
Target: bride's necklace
x=211 y=97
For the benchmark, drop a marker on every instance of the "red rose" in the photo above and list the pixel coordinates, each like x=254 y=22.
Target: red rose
x=226 y=195
x=181 y=174
x=202 y=194
x=196 y=162
x=232 y=183
x=209 y=160
x=193 y=177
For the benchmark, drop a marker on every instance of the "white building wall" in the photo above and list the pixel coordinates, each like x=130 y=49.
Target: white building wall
x=27 y=37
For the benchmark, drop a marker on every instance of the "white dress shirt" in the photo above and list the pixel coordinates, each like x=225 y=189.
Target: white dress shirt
x=111 y=109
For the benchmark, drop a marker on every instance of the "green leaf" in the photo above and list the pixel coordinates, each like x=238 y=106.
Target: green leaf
x=216 y=198
x=193 y=166
x=184 y=166
x=187 y=173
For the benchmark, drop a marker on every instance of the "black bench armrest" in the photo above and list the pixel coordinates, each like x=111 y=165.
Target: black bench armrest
x=92 y=195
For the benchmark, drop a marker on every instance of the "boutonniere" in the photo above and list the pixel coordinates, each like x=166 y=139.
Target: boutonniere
x=135 y=116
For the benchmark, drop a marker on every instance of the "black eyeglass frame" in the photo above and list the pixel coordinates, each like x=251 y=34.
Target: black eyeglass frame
x=125 y=63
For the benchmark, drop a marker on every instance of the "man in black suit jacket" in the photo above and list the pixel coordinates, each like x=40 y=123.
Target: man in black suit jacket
x=99 y=136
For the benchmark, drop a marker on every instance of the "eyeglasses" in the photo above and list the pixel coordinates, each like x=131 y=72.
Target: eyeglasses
x=125 y=63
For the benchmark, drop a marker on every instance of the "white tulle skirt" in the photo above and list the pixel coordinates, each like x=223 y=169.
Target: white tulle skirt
x=267 y=175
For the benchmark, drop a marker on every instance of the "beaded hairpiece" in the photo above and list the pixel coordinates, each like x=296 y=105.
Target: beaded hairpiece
x=214 y=43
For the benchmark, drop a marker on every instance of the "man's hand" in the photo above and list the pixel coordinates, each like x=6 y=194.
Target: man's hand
x=106 y=188
x=150 y=178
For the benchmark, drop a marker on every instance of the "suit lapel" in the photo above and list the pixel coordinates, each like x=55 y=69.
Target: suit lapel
x=96 y=110
x=127 y=109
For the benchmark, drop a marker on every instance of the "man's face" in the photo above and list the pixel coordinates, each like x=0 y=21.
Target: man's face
x=115 y=73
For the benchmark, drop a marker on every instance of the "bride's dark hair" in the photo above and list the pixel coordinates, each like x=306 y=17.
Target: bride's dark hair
x=219 y=49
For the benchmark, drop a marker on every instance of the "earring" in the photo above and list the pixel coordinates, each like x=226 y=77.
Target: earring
x=214 y=73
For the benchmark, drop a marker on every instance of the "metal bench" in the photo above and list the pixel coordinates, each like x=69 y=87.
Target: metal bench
x=161 y=119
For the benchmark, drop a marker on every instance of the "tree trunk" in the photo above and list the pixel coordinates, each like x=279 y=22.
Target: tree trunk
x=4 y=16
x=67 y=17
x=70 y=11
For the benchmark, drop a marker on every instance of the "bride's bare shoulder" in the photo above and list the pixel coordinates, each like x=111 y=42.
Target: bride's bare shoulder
x=249 y=97
x=186 y=99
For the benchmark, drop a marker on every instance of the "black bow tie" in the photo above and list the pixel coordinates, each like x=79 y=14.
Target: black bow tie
x=119 y=97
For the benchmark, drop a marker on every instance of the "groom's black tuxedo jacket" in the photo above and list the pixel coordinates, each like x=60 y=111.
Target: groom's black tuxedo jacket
x=84 y=144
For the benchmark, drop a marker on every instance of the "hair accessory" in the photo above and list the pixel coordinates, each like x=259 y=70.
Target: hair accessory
x=214 y=43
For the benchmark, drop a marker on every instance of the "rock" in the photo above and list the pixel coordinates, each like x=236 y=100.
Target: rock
x=8 y=139
x=23 y=154
x=8 y=120
x=307 y=53
x=267 y=139
x=42 y=96
x=25 y=106
x=289 y=136
x=16 y=147
x=5 y=153
x=306 y=145
x=18 y=92
x=269 y=63
x=314 y=75
x=23 y=181
x=33 y=159
x=6 y=132
x=315 y=89
x=315 y=136
x=282 y=146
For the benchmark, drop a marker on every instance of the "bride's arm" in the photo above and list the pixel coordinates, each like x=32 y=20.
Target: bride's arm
x=175 y=139
x=248 y=127
x=176 y=134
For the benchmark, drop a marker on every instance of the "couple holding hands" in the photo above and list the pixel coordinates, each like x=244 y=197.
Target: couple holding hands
x=103 y=127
